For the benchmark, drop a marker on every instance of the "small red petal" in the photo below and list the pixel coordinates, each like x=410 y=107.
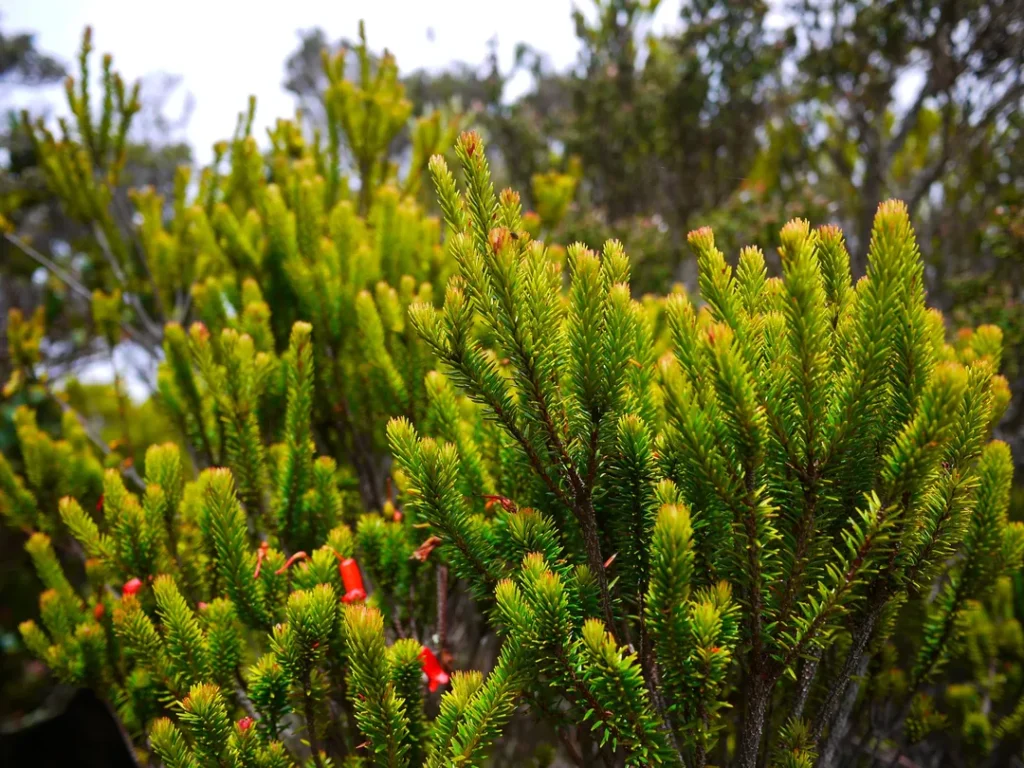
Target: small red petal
x=131 y=587
x=436 y=676
x=245 y=724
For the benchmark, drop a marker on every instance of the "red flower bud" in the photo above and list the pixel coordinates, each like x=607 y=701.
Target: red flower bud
x=261 y=555
x=432 y=669
x=245 y=724
x=507 y=504
x=131 y=587
x=390 y=511
x=99 y=503
x=353 y=581
x=423 y=550
x=98 y=611
x=201 y=605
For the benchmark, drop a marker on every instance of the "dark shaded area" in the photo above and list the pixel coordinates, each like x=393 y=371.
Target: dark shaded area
x=84 y=734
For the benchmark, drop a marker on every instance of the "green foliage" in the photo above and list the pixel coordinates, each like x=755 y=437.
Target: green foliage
x=693 y=532
x=380 y=711
x=825 y=435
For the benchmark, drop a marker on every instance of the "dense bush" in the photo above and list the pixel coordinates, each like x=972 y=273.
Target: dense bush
x=400 y=482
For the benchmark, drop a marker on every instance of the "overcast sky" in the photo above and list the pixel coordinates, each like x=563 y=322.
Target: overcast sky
x=225 y=51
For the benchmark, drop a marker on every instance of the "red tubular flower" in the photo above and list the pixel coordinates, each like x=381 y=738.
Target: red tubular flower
x=131 y=587
x=98 y=611
x=245 y=724
x=290 y=561
x=353 y=581
x=99 y=503
x=432 y=669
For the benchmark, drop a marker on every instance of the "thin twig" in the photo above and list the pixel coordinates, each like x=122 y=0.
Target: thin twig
x=69 y=280
x=64 y=276
x=153 y=328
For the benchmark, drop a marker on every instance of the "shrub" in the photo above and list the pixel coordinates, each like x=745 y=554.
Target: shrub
x=704 y=533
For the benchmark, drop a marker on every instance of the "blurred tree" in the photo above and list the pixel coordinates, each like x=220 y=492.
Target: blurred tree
x=662 y=124
x=667 y=128
x=305 y=78
x=22 y=191
x=526 y=134
x=155 y=148
x=749 y=103
x=920 y=101
x=897 y=98
x=304 y=73
x=22 y=63
x=519 y=132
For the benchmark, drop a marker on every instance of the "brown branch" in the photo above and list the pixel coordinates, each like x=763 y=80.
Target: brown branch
x=828 y=708
x=840 y=161
x=506 y=419
x=924 y=180
x=310 y=716
x=895 y=144
x=808 y=671
x=965 y=143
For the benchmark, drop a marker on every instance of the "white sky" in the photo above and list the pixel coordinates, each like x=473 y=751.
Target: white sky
x=225 y=50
